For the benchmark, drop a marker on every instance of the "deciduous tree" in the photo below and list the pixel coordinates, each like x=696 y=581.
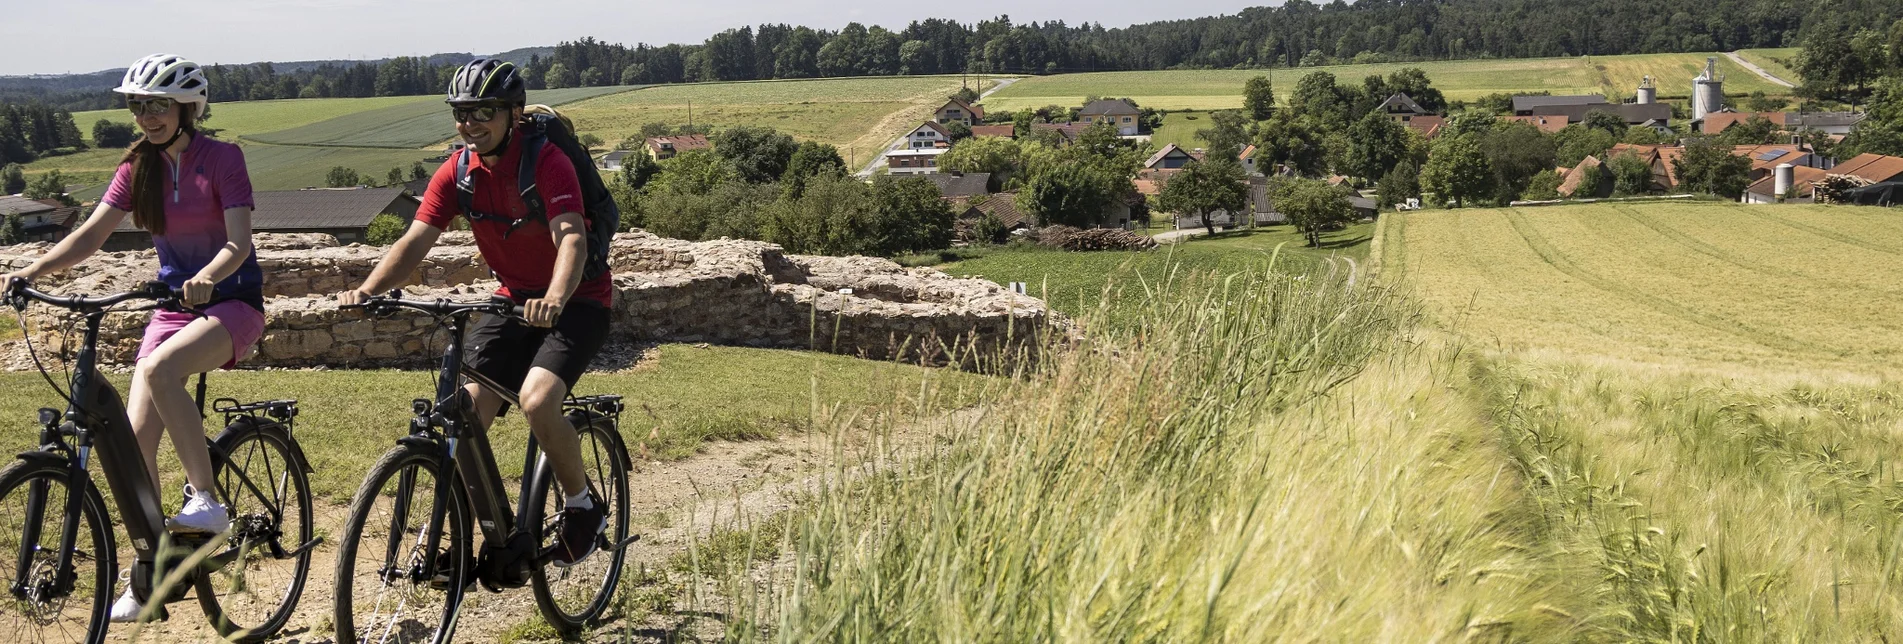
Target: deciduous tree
x=1202 y=188
x=1457 y=170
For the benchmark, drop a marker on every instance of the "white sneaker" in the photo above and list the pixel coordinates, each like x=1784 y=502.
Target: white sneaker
x=202 y=515
x=128 y=607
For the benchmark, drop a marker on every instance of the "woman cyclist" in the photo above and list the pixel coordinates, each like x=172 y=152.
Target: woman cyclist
x=193 y=195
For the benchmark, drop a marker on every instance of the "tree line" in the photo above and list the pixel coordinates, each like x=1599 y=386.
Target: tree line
x=1862 y=68
x=1298 y=33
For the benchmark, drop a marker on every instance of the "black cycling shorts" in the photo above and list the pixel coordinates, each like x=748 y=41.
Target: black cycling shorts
x=504 y=349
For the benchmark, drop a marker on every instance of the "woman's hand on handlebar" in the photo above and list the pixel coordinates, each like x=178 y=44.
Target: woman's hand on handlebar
x=197 y=290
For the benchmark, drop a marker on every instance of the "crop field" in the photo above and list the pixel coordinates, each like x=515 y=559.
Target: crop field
x=247 y=118
x=406 y=125
x=851 y=113
x=1459 y=80
x=1671 y=284
x=1180 y=128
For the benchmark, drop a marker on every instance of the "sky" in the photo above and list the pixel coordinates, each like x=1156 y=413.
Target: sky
x=78 y=36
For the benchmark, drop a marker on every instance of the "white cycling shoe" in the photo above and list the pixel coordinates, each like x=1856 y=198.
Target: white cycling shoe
x=127 y=608
x=202 y=515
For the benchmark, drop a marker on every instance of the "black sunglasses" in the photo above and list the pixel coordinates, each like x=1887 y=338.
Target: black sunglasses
x=151 y=106
x=479 y=114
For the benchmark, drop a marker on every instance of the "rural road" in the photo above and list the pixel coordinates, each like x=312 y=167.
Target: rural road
x=880 y=158
x=1756 y=69
x=1178 y=235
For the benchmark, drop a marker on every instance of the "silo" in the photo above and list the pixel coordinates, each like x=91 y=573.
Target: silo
x=1708 y=91
x=1782 y=183
x=1648 y=93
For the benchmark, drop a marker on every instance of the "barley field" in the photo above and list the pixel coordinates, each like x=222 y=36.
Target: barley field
x=246 y=118
x=1704 y=284
x=404 y=125
x=1458 y=80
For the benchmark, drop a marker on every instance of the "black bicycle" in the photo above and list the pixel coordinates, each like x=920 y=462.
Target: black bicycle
x=248 y=579
x=407 y=553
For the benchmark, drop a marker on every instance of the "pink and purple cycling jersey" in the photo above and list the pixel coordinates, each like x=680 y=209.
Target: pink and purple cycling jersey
x=207 y=179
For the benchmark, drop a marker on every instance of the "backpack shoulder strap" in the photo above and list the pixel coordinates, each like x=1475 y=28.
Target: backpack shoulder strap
x=465 y=185
x=533 y=138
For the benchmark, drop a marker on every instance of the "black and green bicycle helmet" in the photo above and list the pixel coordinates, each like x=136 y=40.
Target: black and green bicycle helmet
x=488 y=80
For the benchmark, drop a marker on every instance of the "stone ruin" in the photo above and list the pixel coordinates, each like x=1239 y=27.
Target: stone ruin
x=729 y=292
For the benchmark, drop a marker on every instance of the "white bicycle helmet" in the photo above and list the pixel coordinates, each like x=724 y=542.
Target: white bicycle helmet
x=167 y=75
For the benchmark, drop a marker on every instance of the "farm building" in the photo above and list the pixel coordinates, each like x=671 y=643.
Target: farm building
x=1002 y=205
x=1832 y=123
x=1547 y=124
x=1120 y=114
x=1874 y=168
x=1070 y=131
x=665 y=147
x=1170 y=157
x=344 y=213
x=41 y=219
x=957 y=111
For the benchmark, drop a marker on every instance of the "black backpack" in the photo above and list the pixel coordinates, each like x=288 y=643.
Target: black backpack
x=543 y=125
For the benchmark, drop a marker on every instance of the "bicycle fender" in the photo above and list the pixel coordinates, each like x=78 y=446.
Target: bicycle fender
x=420 y=441
x=42 y=456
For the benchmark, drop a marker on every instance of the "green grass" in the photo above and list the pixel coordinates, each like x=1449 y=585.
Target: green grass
x=247 y=118
x=406 y=125
x=1777 y=61
x=1074 y=282
x=1180 y=128
x=1458 y=80
x=291 y=167
x=862 y=113
x=688 y=396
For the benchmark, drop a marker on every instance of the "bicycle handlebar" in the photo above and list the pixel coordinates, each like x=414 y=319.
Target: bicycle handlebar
x=439 y=306
x=18 y=294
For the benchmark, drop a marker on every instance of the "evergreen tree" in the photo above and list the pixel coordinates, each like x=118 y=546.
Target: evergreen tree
x=12 y=179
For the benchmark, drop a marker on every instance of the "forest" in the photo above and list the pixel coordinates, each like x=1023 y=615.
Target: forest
x=1298 y=33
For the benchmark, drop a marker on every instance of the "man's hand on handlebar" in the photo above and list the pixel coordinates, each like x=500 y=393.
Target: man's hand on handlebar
x=351 y=298
x=541 y=311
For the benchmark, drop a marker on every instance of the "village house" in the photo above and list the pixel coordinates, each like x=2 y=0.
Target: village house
x=665 y=147
x=41 y=219
x=1547 y=124
x=1002 y=205
x=958 y=185
x=1835 y=124
x=1171 y=157
x=928 y=135
x=1006 y=131
x=612 y=160
x=344 y=213
x=957 y=111
x=903 y=162
x=1119 y=114
x=1573 y=109
x=1070 y=131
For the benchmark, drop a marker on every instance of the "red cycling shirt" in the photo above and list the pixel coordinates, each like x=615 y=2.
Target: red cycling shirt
x=524 y=260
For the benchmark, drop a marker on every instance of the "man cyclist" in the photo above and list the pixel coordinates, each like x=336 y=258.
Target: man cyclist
x=540 y=265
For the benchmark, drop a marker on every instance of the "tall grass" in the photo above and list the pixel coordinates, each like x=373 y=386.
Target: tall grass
x=1265 y=455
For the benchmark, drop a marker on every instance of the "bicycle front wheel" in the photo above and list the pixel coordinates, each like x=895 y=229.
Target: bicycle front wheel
x=38 y=607
x=573 y=598
x=405 y=553
x=264 y=481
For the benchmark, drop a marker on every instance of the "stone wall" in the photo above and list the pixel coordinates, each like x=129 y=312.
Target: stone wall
x=732 y=292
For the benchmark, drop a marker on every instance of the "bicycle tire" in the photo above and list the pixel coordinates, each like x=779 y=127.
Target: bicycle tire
x=608 y=473
x=457 y=542
x=13 y=481
x=239 y=446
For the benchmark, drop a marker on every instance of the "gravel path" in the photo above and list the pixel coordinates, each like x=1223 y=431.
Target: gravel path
x=1756 y=69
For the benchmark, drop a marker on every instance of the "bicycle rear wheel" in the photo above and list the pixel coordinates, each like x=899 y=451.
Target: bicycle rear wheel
x=574 y=598
x=388 y=589
x=263 y=480
x=34 y=608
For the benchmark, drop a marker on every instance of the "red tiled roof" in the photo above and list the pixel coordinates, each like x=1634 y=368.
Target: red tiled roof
x=1720 y=121
x=975 y=111
x=1428 y=125
x=1802 y=178
x=1787 y=153
x=1875 y=167
x=680 y=143
x=1006 y=131
x=1547 y=124
x=1571 y=184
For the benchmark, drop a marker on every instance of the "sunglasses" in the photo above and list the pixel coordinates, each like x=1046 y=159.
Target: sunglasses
x=151 y=106
x=480 y=114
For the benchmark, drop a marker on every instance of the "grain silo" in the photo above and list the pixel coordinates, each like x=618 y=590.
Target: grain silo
x=1648 y=92
x=1708 y=91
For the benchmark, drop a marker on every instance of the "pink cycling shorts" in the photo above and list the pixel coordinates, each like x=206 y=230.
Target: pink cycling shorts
x=245 y=324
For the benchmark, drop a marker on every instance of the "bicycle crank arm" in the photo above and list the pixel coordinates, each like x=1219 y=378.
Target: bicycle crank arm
x=625 y=543
x=300 y=550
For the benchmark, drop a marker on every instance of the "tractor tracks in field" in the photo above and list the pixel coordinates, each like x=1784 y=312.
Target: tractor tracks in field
x=1559 y=261
x=1824 y=233
x=1719 y=254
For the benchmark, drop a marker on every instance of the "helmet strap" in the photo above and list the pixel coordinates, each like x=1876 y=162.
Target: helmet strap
x=503 y=147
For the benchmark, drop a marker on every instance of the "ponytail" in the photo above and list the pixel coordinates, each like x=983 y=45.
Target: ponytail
x=148 y=174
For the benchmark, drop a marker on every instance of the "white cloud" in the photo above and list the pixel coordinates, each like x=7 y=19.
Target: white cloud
x=73 y=36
